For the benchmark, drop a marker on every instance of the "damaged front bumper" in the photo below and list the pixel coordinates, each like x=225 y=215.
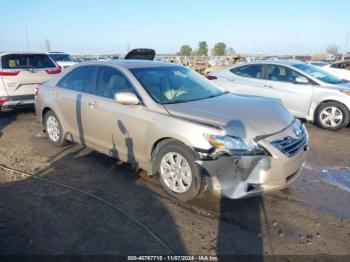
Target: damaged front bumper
x=244 y=176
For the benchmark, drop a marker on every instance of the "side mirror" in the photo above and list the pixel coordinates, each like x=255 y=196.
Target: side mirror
x=126 y=98
x=301 y=80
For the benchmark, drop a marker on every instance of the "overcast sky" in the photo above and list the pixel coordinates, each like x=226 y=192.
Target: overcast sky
x=110 y=26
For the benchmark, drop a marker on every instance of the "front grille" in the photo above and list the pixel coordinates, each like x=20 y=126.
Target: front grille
x=290 y=145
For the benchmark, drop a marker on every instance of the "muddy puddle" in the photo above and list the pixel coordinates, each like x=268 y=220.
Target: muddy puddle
x=336 y=177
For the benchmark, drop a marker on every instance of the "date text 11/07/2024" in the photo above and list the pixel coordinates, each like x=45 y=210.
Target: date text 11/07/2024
x=173 y=258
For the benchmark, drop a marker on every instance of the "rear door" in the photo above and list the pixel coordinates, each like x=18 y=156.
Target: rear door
x=246 y=79
x=70 y=97
x=22 y=73
x=280 y=84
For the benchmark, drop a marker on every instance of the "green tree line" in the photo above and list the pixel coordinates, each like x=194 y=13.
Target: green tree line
x=219 y=49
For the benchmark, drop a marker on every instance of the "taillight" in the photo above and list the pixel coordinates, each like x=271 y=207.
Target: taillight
x=211 y=77
x=36 y=91
x=9 y=73
x=3 y=100
x=53 y=71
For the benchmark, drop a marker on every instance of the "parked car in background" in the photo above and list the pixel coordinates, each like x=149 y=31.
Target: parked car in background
x=62 y=59
x=317 y=63
x=20 y=74
x=171 y=121
x=307 y=91
x=339 y=69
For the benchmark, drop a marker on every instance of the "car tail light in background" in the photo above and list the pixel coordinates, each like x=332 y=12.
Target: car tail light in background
x=3 y=100
x=9 y=73
x=36 y=91
x=54 y=71
x=211 y=77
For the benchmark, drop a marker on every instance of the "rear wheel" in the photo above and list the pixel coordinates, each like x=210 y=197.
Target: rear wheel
x=54 y=129
x=332 y=116
x=178 y=173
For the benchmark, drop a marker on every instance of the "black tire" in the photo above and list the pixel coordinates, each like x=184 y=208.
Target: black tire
x=61 y=141
x=198 y=182
x=341 y=107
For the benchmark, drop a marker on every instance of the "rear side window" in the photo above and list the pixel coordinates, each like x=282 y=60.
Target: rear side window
x=26 y=61
x=251 y=71
x=335 y=65
x=80 y=79
x=111 y=81
x=344 y=65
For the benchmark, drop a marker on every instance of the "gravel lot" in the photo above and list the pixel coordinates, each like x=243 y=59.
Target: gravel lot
x=310 y=217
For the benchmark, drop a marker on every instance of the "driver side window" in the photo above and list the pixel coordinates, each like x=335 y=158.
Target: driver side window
x=111 y=81
x=282 y=74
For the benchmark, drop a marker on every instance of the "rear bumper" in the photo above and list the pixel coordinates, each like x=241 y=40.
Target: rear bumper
x=18 y=101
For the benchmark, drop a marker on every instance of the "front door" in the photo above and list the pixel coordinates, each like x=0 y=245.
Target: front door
x=116 y=129
x=280 y=84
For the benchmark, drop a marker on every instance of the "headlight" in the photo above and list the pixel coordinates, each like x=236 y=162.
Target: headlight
x=234 y=145
x=347 y=92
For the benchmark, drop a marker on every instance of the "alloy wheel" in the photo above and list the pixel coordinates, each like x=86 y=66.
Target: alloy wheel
x=331 y=116
x=176 y=172
x=53 y=128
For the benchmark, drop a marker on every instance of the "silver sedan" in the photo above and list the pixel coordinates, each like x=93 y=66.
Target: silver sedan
x=307 y=91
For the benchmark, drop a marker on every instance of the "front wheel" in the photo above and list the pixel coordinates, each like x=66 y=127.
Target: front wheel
x=332 y=116
x=178 y=173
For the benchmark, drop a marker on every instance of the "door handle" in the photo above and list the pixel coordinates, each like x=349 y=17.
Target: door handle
x=268 y=86
x=92 y=104
x=54 y=93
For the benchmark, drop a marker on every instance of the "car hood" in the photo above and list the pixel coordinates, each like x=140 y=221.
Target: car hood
x=242 y=116
x=342 y=87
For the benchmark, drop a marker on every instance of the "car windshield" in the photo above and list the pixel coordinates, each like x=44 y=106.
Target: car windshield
x=169 y=85
x=62 y=57
x=319 y=74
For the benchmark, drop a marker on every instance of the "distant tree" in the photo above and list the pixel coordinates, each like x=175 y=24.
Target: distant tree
x=202 y=48
x=332 y=49
x=219 y=49
x=185 y=50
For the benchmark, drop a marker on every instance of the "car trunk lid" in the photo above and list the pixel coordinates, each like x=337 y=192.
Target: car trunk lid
x=141 y=54
x=22 y=73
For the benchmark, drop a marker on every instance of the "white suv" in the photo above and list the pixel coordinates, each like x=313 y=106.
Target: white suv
x=20 y=74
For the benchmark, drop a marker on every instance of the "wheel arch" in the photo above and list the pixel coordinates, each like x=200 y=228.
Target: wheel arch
x=158 y=144
x=327 y=101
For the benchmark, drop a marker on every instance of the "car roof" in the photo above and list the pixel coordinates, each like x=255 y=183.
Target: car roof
x=131 y=64
x=23 y=53
x=278 y=62
x=344 y=61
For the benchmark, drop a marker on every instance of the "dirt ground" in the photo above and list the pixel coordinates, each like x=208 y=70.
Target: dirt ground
x=311 y=217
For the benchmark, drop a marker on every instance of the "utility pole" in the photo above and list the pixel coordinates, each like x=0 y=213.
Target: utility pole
x=1 y=44
x=27 y=38
x=127 y=47
x=346 y=44
x=47 y=45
